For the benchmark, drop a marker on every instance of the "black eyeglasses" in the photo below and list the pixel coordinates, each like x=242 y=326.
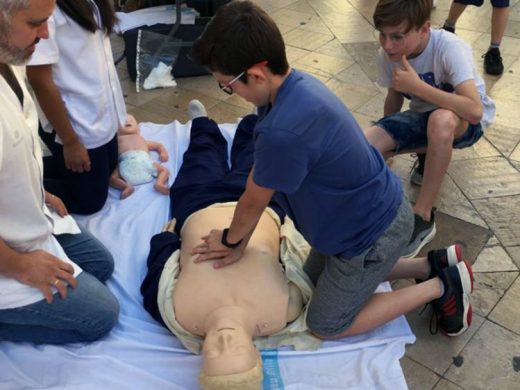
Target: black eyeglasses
x=227 y=88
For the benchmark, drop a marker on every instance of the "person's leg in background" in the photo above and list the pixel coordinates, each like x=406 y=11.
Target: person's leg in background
x=493 y=64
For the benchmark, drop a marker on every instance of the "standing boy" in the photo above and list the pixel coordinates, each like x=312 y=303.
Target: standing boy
x=449 y=107
x=333 y=184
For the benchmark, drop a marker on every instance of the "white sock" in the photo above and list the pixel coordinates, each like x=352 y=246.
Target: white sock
x=196 y=109
x=443 y=290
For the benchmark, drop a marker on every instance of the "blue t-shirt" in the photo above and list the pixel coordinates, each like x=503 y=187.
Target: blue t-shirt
x=333 y=184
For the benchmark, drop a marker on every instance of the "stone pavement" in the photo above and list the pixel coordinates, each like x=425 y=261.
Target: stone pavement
x=479 y=204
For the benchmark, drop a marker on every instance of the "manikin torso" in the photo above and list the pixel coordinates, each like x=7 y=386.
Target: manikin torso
x=255 y=285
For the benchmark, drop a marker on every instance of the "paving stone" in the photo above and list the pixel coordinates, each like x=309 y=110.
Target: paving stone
x=307 y=39
x=485 y=177
x=327 y=64
x=436 y=352
x=365 y=54
x=353 y=96
x=417 y=376
x=489 y=360
x=447 y=385
x=488 y=289
x=494 y=259
x=502 y=217
x=514 y=252
x=507 y=311
x=504 y=138
x=483 y=148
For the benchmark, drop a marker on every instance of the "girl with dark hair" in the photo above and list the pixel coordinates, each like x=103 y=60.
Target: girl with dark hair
x=81 y=102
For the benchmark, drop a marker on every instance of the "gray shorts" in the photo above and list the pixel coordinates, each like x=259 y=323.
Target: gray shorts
x=344 y=285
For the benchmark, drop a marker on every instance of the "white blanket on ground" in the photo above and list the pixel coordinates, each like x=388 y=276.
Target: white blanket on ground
x=141 y=354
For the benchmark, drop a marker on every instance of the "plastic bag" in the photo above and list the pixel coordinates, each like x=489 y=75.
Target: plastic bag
x=156 y=55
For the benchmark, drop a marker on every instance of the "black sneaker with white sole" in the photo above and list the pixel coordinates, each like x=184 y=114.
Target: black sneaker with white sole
x=493 y=64
x=443 y=258
x=423 y=233
x=453 y=310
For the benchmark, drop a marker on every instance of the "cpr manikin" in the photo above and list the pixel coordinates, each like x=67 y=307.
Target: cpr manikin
x=231 y=306
x=219 y=313
x=135 y=164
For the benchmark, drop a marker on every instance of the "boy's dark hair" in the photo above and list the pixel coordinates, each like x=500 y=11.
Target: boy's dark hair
x=82 y=12
x=390 y=13
x=239 y=36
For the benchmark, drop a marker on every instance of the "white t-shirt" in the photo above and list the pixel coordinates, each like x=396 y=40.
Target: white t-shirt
x=24 y=224
x=446 y=62
x=83 y=69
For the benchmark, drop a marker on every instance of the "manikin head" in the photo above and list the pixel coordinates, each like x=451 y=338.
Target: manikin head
x=230 y=361
x=245 y=51
x=404 y=27
x=131 y=126
x=22 y=24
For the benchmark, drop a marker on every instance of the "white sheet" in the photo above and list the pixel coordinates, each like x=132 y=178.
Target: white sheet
x=141 y=354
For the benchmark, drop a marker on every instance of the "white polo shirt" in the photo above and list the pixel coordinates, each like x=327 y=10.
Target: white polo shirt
x=24 y=225
x=83 y=69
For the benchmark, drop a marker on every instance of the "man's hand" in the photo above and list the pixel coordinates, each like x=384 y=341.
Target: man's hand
x=405 y=79
x=56 y=203
x=76 y=157
x=41 y=270
x=212 y=249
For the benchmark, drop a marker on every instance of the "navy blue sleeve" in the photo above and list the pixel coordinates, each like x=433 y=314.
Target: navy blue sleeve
x=162 y=245
x=282 y=161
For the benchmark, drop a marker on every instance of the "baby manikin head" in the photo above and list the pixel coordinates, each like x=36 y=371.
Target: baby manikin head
x=131 y=126
x=230 y=361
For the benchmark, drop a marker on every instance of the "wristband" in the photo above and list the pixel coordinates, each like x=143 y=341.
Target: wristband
x=225 y=242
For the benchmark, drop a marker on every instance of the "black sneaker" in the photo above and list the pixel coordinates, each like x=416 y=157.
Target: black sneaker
x=418 y=169
x=443 y=258
x=449 y=29
x=453 y=309
x=493 y=62
x=423 y=233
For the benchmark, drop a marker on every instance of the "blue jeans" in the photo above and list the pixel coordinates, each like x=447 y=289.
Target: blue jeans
x=88 y=313
x=409 y=131
x=478 y=3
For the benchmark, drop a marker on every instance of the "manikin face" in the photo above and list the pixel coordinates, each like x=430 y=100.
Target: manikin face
x=18 y=40
x=228 y=351
x=255 y=91
x=396 y=41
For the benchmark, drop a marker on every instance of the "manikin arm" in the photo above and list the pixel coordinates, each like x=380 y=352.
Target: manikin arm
x=159 y=148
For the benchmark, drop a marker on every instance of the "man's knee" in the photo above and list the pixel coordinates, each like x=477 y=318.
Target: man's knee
x=103 y=317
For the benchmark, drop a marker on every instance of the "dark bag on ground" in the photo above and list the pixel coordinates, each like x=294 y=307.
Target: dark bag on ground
x=187 y=34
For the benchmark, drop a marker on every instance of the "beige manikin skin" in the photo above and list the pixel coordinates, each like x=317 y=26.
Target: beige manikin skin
x=231 y=305
x=129 y=139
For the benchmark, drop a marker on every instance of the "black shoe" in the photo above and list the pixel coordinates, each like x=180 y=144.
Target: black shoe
x=423 y=233
x=493 y=62
x=449 y=29
x=418 y=169
x=443 y=258
x=453 y=309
